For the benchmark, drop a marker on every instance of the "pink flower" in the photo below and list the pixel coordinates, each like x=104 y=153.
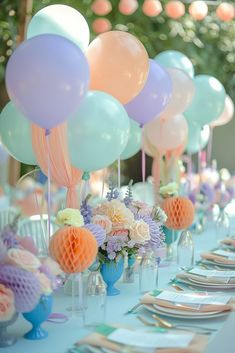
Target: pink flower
x=52 y=265
x=45 y=283
x=120 y=232
x=103 y=221
x=7 y=307
x=23 y=259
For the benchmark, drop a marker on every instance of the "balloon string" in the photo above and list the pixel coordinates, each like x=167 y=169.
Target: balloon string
x=119 y=173
x=209 y=146
x=103 y=182
x=47 y=133
x=143 y=164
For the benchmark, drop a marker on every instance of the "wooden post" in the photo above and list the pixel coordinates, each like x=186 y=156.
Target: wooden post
x=25 y=11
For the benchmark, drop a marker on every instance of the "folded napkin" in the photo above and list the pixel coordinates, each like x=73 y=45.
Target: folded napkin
x=202 y=279
x=100 y=340
x=217 y=258
x=203 y=308
x=228 y=241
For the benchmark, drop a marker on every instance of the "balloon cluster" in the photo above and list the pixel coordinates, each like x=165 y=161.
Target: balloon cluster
x=104 y=92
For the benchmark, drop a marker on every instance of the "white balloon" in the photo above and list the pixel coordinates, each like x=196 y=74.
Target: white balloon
x=227 y=114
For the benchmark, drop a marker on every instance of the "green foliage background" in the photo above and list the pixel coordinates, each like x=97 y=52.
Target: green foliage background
x=210 y=43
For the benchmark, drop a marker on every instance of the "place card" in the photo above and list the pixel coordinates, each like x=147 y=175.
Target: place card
x=228 y=254
x=212 y=273
x=150 y=340
x=194 y=298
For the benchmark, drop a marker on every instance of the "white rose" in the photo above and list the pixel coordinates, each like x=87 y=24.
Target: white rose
x=139 y=232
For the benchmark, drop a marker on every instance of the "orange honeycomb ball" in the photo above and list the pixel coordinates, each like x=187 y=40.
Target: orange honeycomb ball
x=74 y=248
x=179 y=211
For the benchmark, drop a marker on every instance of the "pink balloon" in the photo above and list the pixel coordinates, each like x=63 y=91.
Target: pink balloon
x=101 y=25
x=152 y=8
x=175 y=9
x=182 y=93
x=169 y=134
x=101 y=7
x=128 y=7
x=225 y=12
x=227 y=114
x=198 y=10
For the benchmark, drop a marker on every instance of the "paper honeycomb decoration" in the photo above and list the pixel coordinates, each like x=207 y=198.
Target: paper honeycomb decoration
x=179 y=211
x=24 y=284
x=74 y=248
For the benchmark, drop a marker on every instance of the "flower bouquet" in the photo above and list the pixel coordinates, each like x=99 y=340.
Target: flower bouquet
x=25 y=279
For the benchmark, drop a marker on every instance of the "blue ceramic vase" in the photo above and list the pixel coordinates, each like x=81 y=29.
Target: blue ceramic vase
x=111 y=271
x=37 y=316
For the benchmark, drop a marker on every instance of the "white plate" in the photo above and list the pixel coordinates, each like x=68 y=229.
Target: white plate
x=219 y=264
x=183 y=315
x=206 y=285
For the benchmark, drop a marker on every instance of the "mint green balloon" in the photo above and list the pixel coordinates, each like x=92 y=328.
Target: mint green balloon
x=62 y=20
x=197 y=137
x=134 y=142
x=175 y=59
x=16 y=136
x=208 y=102
x=98 y=133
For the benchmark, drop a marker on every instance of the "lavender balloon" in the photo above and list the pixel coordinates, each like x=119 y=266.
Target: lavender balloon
x=98 y=232
x=153 y=98
x=47 y=76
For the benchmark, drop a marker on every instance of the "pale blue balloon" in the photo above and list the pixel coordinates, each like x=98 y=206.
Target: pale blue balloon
x=174 y=58
x=134 y=142
x=98 y=133
x=208 y=101
x=62 y=20
x=16 y=135
x=197 y=137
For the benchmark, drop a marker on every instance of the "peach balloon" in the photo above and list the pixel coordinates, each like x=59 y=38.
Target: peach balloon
x=101 y=7
x=198 y=10
x=169 y=134
x=101 y=25
x=152 y=8
x=225 y=12
x=128 y=7
x=179 y=211
x=119 y=65
x=175 y=9
x=227 y=114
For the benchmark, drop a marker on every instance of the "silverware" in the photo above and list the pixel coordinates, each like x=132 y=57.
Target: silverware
x=177 y=287
x=167 y=324
x=132 y=310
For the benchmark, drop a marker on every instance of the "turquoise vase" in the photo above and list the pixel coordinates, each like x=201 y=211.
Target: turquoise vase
x=111 y=272
x=37 y=316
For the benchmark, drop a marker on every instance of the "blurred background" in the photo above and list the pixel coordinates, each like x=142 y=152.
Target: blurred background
x=209 y=43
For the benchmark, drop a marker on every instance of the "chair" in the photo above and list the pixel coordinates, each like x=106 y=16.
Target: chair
x=7 y=216
x=36 y=227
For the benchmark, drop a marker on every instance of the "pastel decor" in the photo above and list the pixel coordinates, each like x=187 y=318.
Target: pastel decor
x=128 y=7
x=101 y=25
x=111 y=272
x=175 y=9
x=225 y=12
x=152 y=8
x=37 y=316
x=74 y=248
x=198 y=10
x=101 y=7
x=174 y=58
x=119 y=65
x=179 y=211
x=62 y=173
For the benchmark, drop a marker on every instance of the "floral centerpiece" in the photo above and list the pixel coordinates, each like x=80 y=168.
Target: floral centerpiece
x=24 y=277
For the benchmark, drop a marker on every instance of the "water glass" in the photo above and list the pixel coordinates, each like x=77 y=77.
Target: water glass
x=185 y=251
x=148 y=273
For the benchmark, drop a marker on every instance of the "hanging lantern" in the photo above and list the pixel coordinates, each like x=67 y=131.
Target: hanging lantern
x=225 y=12
x=152 y=8
x=101 y=7
x=128 y=7
x=175 y=9
x=198 y=10
x=101 y=25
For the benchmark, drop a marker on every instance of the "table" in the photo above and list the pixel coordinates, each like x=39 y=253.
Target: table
x=63 y=336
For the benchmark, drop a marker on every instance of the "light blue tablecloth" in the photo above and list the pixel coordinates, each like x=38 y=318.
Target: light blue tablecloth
x=63 y=336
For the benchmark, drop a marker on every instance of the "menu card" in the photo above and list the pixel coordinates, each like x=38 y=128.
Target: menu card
x=150 y=340
x=194 y=298
x=212 y=273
